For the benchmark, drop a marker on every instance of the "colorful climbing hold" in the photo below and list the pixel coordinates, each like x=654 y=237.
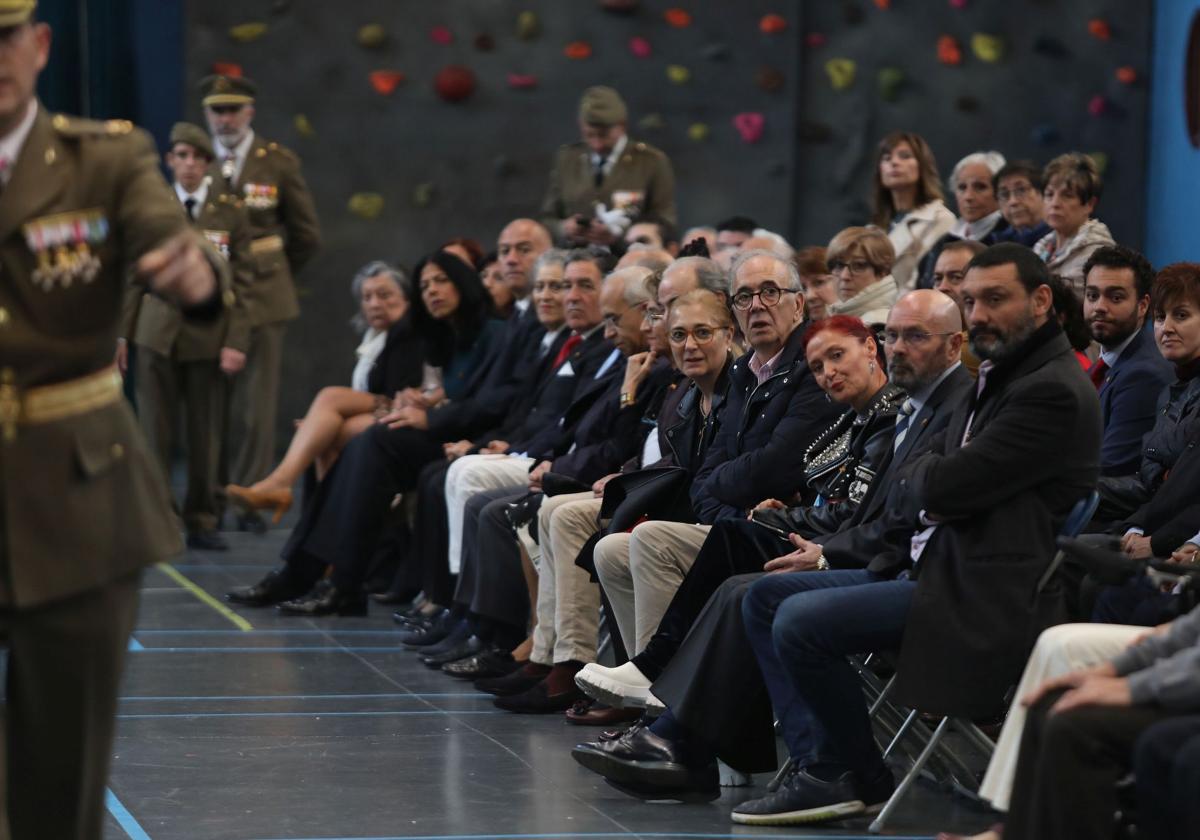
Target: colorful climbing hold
x=652 y=122
x=1127 y=75
x=246 y=32
x=227 y=68
x=639 y=46
x=750 y=125
x=679 y=18
x=578 y=50
x=1099 y=29
x=528 y=26
x=883 y=4
x=422 y=195
x=677 y=74
x=988 y=48
x=841 y=72
x=366 y=205
x=949 y=51
x=814 y=40
x=769 y=79
x=303 y=126
x=891 y=79
x=441 y=35
x=372 y=36
x=522 y=81
x=1097 y=105
x=485 y=42
x=772 y=24
x=385 y=81
x=698 y=132
x=454 y=83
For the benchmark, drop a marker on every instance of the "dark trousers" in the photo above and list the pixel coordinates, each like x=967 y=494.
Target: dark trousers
x=491 y=581
x=802 y=626
x=431 y=539
x=732 y=547
x=64 y=669
x=343 y=523
x=1166 y=764
x=1068 y=768
x=1138 y=602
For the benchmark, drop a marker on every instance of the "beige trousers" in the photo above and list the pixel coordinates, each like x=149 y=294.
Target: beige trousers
x=568 y=608
x=1059 y=650
x=641 y=571
x=473 y=474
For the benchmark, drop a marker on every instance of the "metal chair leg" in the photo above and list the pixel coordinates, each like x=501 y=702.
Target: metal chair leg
x=773 y=785
x=881 y=699
x=910 y=777
x=904 y=727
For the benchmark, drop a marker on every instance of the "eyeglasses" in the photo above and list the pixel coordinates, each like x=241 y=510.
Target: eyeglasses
x=701 y=335
x=769 y=295
x=952 y=277
x=1020 y=191
x=914 y=337
x=552 y=286
x=855 y=266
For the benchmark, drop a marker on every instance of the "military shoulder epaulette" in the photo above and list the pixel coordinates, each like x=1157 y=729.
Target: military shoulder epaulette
x=79 y=127
x=274 y=148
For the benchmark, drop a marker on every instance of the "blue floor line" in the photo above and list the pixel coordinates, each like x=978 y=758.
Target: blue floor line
x=617 y=835
x=285 y=632
x=469 y=695
x=124 y=819
x=268 y=649
x=195 y=715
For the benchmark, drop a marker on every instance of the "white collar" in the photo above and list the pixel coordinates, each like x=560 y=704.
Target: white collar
x=522 y=304
x=609 y=162
x=1110 y=356
x=200 y=195
x=977 y=229
x=11 y=145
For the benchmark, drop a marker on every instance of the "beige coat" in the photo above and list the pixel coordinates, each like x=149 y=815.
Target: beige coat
x=913 y=236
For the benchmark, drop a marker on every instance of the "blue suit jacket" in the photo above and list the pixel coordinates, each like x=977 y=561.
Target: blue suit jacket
x=1129 y=400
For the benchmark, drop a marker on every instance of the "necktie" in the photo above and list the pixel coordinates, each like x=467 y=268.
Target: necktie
x=598 y=176
x=189 y=204
x=903 y=418
x=570 y=344
x=1098 y=372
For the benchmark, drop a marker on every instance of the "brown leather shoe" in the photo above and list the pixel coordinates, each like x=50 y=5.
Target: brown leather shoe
x=591 y=713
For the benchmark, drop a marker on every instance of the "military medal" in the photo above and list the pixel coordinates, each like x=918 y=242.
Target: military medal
x=260 y=196
x=63 y=246
x=219 y=239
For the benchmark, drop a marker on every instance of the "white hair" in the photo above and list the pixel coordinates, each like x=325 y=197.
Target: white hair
x=779 y=245
x=994 y=161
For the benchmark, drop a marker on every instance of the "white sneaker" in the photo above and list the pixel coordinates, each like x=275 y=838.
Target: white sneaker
x=621 y=687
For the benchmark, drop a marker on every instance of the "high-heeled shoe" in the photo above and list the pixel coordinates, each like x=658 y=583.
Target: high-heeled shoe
x=278 y=501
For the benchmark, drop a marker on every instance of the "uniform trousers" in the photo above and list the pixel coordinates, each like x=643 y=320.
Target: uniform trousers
x=1059 y=650
x=163 y=384
x=256 y=402
x=568 y=606
x=1069 y=766
x=1166 y=764
x=64 y=668
x=473 y=474
x=641 y=571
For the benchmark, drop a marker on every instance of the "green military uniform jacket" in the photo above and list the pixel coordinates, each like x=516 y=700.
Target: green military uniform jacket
x=284 y=230
x=641 y=181
x=83 y=501
x=158 y=324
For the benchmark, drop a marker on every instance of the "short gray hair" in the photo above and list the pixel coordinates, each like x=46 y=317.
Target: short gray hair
x=374 y=269
x=994 y=161
x=708 y=274
x=551 y=256
x=789 y=267
x=635 y=288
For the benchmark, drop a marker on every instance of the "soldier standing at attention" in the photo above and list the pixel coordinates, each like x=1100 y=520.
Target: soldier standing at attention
x=184 y=361
x=606 y=182
x=284 y=236
x=83 y=506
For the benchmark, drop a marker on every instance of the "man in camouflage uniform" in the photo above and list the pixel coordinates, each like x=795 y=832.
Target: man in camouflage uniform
x=83 y=506
x=606 y=182
x=284 y=236
x=185 y=362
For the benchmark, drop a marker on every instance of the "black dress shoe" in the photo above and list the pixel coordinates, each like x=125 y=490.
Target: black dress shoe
x=326 y=599
x=483 y=665
x=644 y=761
x=460 y=631
x=539 y=701
x=422 y=637
x=252 y=522
x=521 y=679
x=279 y=585
x=207 y=541
x=467 y=647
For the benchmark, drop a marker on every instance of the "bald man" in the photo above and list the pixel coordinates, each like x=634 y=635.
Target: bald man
x=714 y=679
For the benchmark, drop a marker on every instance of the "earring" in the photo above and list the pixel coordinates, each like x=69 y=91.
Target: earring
x=871 y=366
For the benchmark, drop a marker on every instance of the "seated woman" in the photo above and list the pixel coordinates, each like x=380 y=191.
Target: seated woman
x=861 y=260
x=389 y=361
x=492 y=274
x=1073 y=186
x=820 y=287
x=1068 y=309
x=341 y=525
x=972 y=182
x=908 y=203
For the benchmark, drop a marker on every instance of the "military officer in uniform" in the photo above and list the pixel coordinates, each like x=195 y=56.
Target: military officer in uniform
x=184 y=361
x=284 y=236
x=83 y=506
x=606 y=182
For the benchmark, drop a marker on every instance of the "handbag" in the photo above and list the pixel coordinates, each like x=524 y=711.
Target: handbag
x=660 y=493
x=557 y=484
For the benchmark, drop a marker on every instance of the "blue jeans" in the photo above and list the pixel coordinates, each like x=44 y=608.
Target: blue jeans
x=802 y=625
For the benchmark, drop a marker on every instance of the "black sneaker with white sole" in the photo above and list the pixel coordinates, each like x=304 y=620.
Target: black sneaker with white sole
x=801 y=799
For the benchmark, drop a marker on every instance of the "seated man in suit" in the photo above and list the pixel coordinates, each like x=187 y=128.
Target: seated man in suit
x=1130 y=373
x=923 y=339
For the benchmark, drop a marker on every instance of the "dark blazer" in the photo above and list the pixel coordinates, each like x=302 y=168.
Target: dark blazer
x=1001 y=499
x=400 y=364
x=1172 y=516
x=584 y=390
x=1129 y=396
x=863 y=538
x=758 y=453
x=687 y=435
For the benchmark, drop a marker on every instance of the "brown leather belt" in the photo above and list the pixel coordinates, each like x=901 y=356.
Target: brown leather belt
x=48 y=403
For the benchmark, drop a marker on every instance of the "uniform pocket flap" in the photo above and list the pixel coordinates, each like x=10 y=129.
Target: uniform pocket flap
x=95 y=450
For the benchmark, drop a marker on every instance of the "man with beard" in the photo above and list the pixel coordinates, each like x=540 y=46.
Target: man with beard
x=1130 y=373
x=983 y=508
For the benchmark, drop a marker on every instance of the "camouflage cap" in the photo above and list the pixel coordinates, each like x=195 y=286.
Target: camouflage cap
x=225 y=90
x=194 y=136
x=602 y=105
x=16 y=12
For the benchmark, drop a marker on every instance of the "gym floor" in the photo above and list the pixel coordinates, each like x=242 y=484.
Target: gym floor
x=245 y=724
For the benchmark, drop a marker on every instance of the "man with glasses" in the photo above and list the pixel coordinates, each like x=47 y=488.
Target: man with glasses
x=285 y=234
x=1019 y=191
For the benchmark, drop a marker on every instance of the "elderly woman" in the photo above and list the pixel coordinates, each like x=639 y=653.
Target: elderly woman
x=861 y=260
x=820 y=287
x=1073 y=187
x=389 y=361
x=972 y=183
x=908 y=203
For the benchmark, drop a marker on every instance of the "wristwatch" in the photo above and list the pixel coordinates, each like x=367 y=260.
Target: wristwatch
x=822 y=564
x=627 y=399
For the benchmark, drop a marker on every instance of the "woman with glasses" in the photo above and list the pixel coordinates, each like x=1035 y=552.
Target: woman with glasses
x=908 y=202
x=1073 y=186
x=861 y=261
